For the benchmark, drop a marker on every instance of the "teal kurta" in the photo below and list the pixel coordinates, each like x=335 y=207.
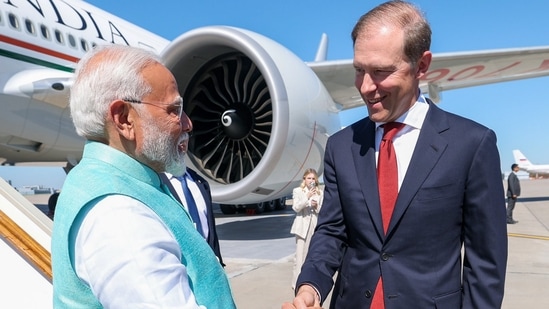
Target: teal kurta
x=104 y=171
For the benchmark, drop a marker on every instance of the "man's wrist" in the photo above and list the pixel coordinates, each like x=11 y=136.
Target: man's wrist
x=309 y=289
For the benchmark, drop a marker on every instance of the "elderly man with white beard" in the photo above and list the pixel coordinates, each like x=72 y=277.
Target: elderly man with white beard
x=120 y=240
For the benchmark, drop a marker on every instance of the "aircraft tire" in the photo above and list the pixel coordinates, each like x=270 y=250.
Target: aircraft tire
x=280 y=203
x=258 y=207
x=269 y=205
x=227 y=209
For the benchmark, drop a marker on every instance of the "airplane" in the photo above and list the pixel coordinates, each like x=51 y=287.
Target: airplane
x=524 y=164
x=261 y=115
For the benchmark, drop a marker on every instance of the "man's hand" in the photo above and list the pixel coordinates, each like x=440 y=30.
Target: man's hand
x=306 y=298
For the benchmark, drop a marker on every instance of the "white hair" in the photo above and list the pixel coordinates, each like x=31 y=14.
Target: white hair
x=116 y=74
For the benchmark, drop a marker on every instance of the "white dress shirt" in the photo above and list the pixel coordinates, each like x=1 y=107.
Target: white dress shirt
x=198 y=199
x=129 y=257
x=405 y=140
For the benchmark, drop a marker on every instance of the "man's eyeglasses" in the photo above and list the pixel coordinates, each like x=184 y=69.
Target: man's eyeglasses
x=175 y=108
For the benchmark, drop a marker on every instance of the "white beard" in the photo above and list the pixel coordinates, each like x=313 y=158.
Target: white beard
x=161 y=147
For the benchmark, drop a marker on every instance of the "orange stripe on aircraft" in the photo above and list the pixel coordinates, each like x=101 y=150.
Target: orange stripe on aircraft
x=37 y=48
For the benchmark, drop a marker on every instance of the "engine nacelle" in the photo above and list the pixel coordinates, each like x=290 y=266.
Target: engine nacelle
x=260 y=114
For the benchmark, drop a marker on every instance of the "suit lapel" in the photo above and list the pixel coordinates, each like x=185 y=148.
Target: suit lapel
x=364 y=156
x=166 y=181
x=199 y=183
x=429 y=148
x=209 y=209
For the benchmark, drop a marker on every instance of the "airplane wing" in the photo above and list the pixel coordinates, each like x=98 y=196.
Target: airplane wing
x=448 y=71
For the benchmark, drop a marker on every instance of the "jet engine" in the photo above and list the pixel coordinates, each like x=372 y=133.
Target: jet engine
x=260 y=115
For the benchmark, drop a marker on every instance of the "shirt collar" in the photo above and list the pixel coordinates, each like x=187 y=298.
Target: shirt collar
x=415 y=116
x=185 y=175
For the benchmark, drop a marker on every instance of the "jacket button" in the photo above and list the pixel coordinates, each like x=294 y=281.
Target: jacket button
x=368 y=293
x=385 y=256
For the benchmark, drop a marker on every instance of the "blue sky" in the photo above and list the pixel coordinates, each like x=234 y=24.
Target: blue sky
x=511 y=109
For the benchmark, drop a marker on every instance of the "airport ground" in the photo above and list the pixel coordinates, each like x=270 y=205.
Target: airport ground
x=258 y=251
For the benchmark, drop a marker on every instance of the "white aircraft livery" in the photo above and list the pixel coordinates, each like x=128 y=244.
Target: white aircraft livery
x=261 y=115
x=524 y=164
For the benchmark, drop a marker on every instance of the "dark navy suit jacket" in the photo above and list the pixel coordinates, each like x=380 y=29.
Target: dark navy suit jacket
x=513 y=185
x=204 y=187
x=452 y=195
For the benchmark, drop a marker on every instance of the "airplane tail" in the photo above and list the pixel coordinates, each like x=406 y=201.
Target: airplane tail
x=322 y=51
x=521 y=159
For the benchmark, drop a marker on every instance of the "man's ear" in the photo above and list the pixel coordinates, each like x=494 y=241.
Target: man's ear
x=424 y=63
x=123 y=122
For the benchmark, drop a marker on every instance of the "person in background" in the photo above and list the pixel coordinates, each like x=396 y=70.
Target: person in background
x=196 y=197
x=408 y=189
x=120 y=240
x=52 y=203
x=513 y=192
x=306 y=202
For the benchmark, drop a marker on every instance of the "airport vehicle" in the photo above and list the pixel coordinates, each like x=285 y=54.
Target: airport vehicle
x=535 y=170
x=261 y=115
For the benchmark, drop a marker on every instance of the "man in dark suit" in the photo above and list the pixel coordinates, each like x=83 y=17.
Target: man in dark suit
x=449 y=195
x=202 y=198
x=513 y=192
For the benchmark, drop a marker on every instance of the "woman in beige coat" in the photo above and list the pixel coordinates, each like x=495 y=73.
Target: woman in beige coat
x=307 y=200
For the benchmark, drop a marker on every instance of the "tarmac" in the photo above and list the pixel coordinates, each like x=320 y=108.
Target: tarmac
x=258 y=251
x=527 y=281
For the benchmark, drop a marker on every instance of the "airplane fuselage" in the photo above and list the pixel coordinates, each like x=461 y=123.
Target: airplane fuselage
x=537 y=169
x=525 y=165
x=42 y=40
x=40 y=43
